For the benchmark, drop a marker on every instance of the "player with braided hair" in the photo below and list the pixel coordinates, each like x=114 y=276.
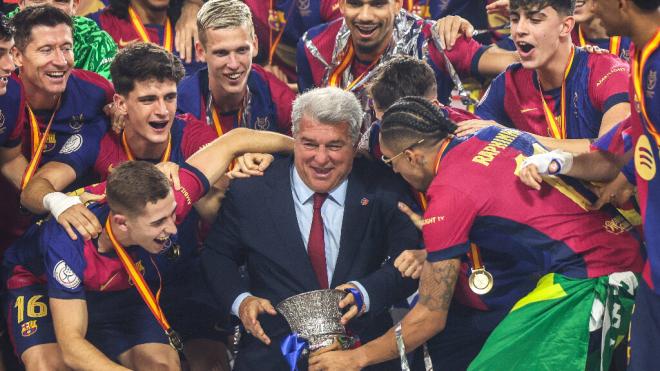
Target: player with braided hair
x=585 y=259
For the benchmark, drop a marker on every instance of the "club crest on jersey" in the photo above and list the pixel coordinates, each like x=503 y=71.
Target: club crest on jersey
x=262 y=123
x=276 y=20
x=76 y=122
x=65 y=275
x=617 y=225
x=72 y=144
x=29 y=328
x=644 y=160
x=650 y=84
x=304 y=8
x=51 y=141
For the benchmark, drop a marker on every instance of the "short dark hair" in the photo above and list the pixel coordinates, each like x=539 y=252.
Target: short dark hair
x=133 y=184
x=141 y=62
x=400 y=77
x=30 y=17
x=647 y=4
x=566 y=7
x=411 y=119
x=6 y=29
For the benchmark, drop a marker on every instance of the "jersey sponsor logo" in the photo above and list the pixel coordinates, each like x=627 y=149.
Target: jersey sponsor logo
x=72 y=144
x=651 y=81
x=432 y=220
x=65 y=276
x=76 y=122
x=492 y=149
x=644 y=160
x=617 y=225
x=612 y=71
x=186 y=194
x=29 y=328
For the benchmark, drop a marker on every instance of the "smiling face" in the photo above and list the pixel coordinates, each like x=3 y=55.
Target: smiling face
x=6 y=64
x=537 y=34
x=584 y=11
x=150 y=109
x=46 y=62
x=153 y=227
x=612 y=18
x=370 y=22
x=228 y=53
x=323 y=154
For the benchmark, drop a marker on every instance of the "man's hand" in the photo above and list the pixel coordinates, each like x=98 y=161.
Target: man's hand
x=249 y=310
x=186 y=30
x=452 y=27
x=171 y=171
x=410 y=263
x=349 y=300
x=117 y=120
x=346 y=360
x=468 y=127
x=417 y=219
x=250 y=164
x=617 y=192
x=530 y=176
x=83 y=220
x=594 y=49
x=499 y=6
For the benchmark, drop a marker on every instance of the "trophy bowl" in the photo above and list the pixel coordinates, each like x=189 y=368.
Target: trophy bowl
x=315 y=316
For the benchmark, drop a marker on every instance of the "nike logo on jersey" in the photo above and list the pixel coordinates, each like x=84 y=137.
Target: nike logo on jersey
x=123 y=44
x=527 y=110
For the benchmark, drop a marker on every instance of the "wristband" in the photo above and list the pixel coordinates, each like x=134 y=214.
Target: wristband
x=357 y=296
x=58 y=202
x=562 y=160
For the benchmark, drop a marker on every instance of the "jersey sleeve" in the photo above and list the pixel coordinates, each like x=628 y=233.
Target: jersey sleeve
x=491 y=106
x=81 y=150
x=617 y=140
x=12 y=112
x=283 y=98
x=447 y=222
x=464 y=56
x=65 y=262
x=196 y=134
x=194 y=185
x=608 y=81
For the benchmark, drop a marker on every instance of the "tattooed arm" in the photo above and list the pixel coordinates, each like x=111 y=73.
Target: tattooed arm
x=427 y=318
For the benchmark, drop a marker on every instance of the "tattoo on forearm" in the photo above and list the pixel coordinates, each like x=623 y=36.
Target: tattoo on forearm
x=437 y=285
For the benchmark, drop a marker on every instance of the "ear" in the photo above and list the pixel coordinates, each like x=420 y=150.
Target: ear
x=342 y=7
x=200 y=51
x=255 y=46
x=398 y=4
x=75 y=5
x=120 y=221
x=21 y=4
x=567 y=26
x=120 y=104
x=18 y=56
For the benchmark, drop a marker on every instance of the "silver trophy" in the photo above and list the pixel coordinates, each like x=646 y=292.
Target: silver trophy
x=315 y=316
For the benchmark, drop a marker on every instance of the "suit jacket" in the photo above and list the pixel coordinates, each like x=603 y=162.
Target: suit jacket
x=257 y=226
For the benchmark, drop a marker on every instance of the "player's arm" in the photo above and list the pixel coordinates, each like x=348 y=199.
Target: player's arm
x=43 y=194
x=214 y=159
x=70 y=323
x=13 y=164
x=426 y=319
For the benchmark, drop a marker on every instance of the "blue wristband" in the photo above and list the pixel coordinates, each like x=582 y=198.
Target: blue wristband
x=357 y=296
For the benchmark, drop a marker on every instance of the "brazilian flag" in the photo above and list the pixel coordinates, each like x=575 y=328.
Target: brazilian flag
x=549 y=329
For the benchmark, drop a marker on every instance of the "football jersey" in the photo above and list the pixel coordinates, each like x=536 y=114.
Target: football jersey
x=12 y=113
x=268 y=104
x=645 y=123
x=477 y=197
x=595 y=83
x=619 y=46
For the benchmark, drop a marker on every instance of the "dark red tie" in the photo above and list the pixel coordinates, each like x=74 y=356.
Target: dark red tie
x=316 y=243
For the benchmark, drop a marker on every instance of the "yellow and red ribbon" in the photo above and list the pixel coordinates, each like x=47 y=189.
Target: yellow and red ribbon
x=558 y=129
x=138 y=25
x=638 y=62
x=615 y=42
x=131 y=157
x=272 y=12
x=335 y=77
x=218 y=124
x=38 y=142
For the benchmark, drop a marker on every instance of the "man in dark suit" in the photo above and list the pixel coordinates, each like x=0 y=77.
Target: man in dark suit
x=320 y=219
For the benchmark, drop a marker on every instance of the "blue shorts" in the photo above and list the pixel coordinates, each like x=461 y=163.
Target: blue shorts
x=28 y=317
x=644 y=330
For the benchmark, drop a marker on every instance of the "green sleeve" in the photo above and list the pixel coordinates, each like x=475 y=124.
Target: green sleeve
x=93 y=48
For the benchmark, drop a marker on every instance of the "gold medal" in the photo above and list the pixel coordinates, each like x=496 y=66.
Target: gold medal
x=174 y=252
x=480 y=281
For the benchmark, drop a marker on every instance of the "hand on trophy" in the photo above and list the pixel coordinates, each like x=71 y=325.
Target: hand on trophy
x=349 y=302
x=249 y=310
x=346 y=360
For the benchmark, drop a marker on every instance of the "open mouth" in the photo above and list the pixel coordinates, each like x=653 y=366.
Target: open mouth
x=524 y=47
x=366 y=30
x=234 y=77
x=321 y=172
x=158 y=125
x=56 y=75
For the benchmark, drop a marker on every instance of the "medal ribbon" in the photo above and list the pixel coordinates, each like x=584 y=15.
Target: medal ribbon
x=335 y=77
x=139 y=28
x=140 y=284
x=615 y=42
x=638 y=63
x=274 y=43
x=37 y=143
x=218 y=124
x=558 y=129
x=425 y=9
x=129 y=154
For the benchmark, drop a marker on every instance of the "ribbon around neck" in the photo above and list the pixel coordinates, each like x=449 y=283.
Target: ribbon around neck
x=292 y=348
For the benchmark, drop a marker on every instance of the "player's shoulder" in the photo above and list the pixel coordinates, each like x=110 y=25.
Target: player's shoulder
x=324 y=31
x=90 y=80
